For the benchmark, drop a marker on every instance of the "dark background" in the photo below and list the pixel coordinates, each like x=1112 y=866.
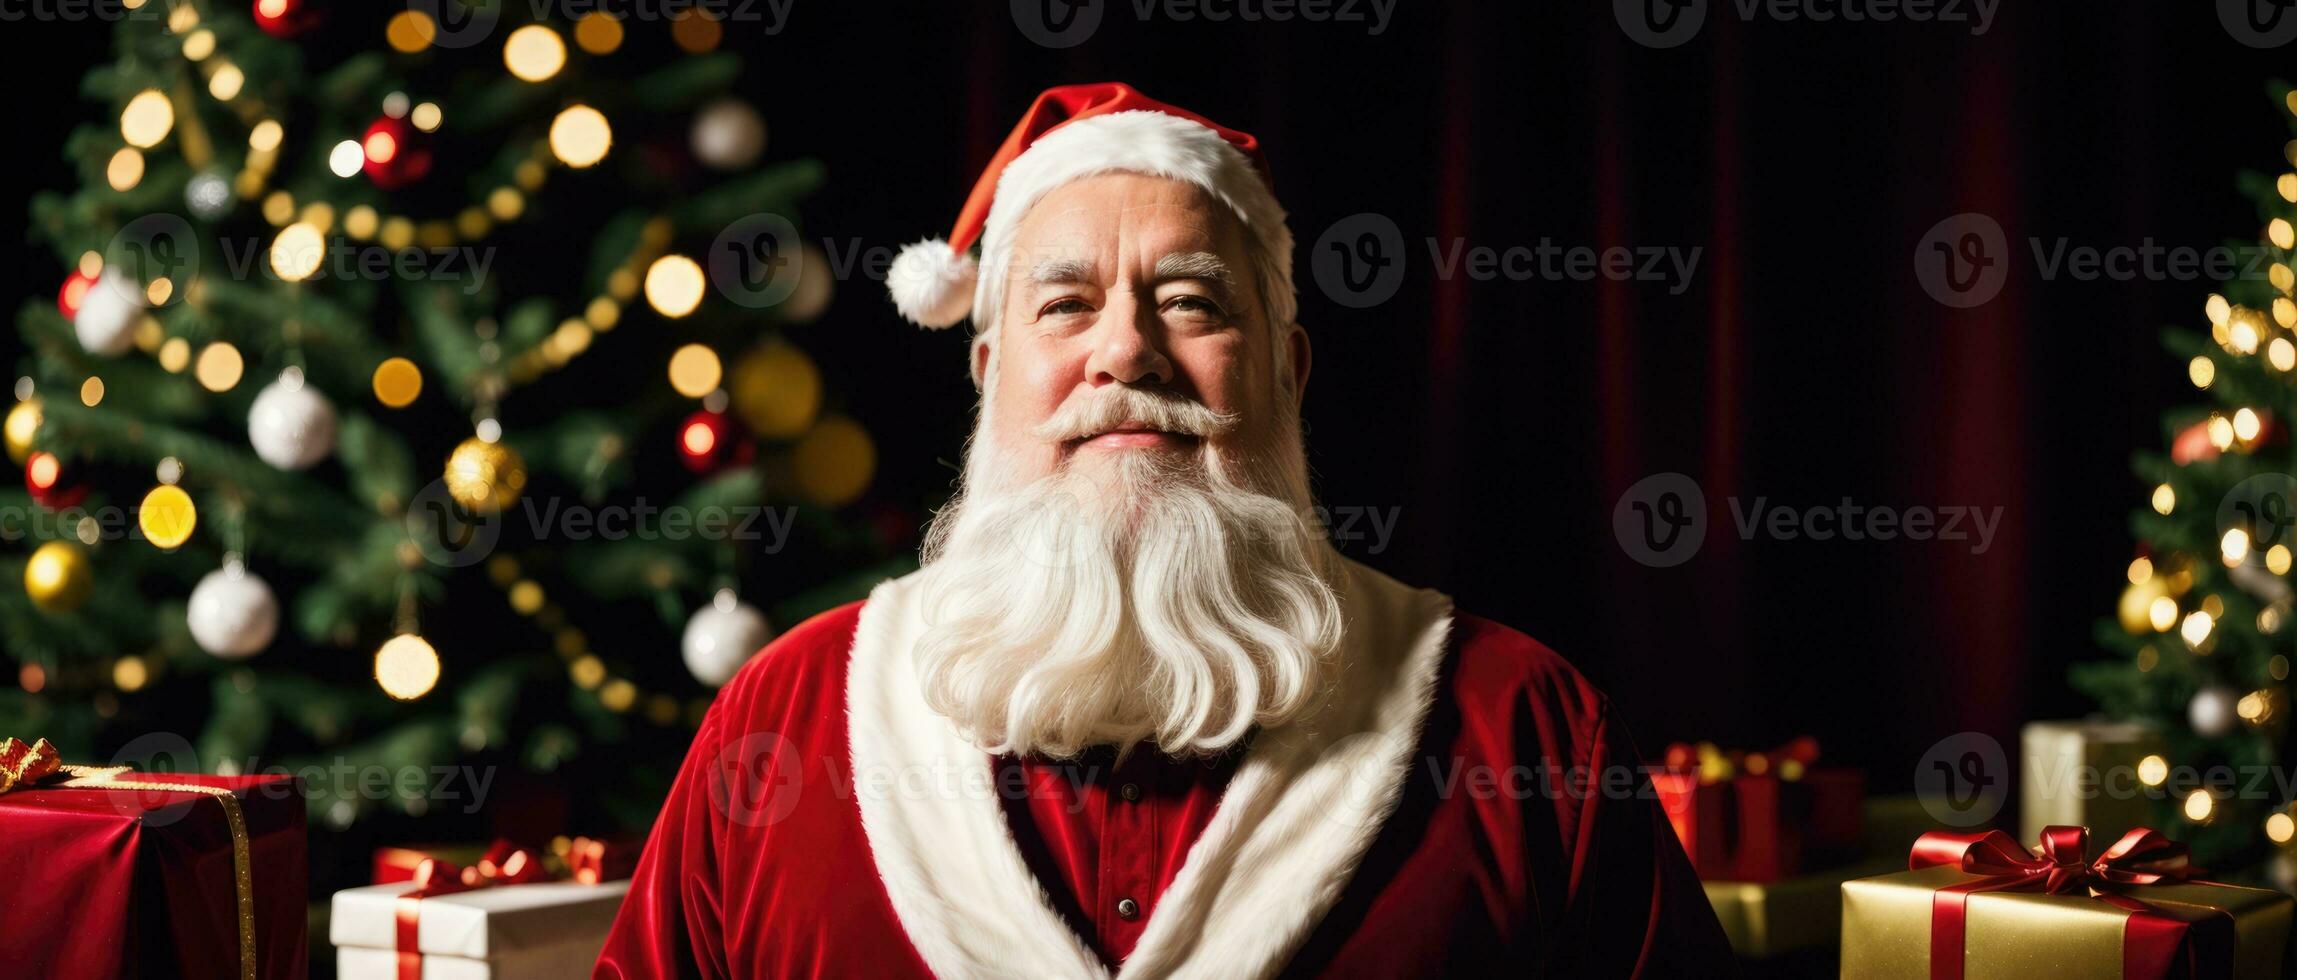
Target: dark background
x=1503 y=420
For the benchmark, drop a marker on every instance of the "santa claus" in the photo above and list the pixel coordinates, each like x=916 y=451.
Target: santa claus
x=1134 y=715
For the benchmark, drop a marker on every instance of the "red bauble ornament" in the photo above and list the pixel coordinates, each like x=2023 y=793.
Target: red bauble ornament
x=75 y=289
x=710 y=441
x=285 y=18
x=50 y=483
x=397 y=153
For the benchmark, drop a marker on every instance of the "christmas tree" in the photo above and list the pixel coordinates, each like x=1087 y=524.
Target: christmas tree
x=2204 y=625
x=418 y=381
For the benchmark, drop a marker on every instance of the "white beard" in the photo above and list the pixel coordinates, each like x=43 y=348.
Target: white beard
x=1160 y=597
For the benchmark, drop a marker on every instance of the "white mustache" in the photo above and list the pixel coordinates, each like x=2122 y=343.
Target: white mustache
x=1116 y=405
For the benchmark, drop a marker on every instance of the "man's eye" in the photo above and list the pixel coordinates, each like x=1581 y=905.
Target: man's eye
x=1194 y=304
x=1064 y=307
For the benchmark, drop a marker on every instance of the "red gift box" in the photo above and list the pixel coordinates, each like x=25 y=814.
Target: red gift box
x=115 y=873
x=1761 y=816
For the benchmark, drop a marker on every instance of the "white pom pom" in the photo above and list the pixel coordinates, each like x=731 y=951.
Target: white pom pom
x=932 y=285
x=106 y=322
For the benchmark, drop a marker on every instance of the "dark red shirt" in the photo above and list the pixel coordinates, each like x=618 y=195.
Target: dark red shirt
x=1107 y=838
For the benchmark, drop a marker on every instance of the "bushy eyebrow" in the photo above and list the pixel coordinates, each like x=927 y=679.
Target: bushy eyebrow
x=1195 y=265
x=1061 y=272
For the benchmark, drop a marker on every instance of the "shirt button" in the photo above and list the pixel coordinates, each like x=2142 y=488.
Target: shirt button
x=1128 y=910
x=1130 y=791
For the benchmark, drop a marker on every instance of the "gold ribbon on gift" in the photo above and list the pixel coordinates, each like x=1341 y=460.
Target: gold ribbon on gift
x=38 y=766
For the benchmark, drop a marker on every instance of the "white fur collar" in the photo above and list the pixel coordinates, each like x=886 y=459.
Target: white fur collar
x=1305 y=803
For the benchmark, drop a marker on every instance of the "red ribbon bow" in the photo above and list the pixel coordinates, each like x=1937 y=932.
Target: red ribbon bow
x=2059 y=865
x=504 y=864
x=22 y=765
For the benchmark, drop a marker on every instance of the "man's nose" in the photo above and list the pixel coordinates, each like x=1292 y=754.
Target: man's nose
x=1128 y=344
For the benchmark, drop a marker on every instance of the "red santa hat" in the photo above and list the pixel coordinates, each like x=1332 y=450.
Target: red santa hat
x=1077 y=131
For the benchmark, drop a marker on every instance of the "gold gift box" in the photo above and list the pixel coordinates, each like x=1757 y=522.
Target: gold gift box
x=1768 y=919
x=2027 y=935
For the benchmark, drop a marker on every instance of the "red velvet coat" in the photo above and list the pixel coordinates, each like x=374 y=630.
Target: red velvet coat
x=1468 y=805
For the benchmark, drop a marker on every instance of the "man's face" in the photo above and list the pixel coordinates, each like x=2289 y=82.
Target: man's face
x=1131 y=280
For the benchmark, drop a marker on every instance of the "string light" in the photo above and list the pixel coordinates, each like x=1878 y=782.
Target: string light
x=2195 y=629
x=397 y=382
x=226 y=82
x=2242 y=336
x=2153 y=770
x=219 y=367
x=2280 y=828
x=2247 y=424
x=2217 y=309
x=674 y=285
x=598 y=32
x=2140 y=570
x=346 y=159
x=410 y=31
x=147 y=119
x=580 y=136
x=2283 y=236
x=125 y=169
x=2200 y=806
x=2162 y=613
x=2277 y=559
x=406 y=667
x=534 y=53
x=296 y=253
x=695 y=370
x=2164 y=499
x=2282 y=354
x=2201 y=371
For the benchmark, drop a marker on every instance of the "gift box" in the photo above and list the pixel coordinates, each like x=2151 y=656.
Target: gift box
x=114 y=873
x=1765 y=920
x=1760 y=816
x=2084 y=774
x=503 y=918
x=1979 y=906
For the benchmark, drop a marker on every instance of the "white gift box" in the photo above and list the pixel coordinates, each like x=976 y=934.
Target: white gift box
x=508 y=932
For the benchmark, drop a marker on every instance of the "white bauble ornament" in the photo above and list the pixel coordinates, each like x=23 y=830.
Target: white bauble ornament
x=2260 y=582
x=729 y=135
x=208 y=195
x=106 y=322
x=291 y=425
x=233 y=614
x=722 y=636
x=2211 y=712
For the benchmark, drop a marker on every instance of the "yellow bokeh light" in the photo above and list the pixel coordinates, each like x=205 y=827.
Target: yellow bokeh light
x=2280 y=827
x=2241 y=335
x=219 y=367
x=167 y=516
x=2164 y=499
x=695 y=370
x=674 y=285
x=175 y=355
x=2162 y=613
x=2282 y=354
x=2152 y=770
x=226 y=82
x=534 y=53
x=397 y=382
x=2277 y=559
x=506 y=203
x=2201 y=371
x=580 y=137
x=2220 y=431
x=2247 y=424
x=2200 y=806
x=410 y=31
x=2140 y=570
x=586 y=671
x=266 y=135
x=2281 y=233
x=2234 y=546
x=618 y=695
x=278 y=207
x=427 y=117
x=696 y=30
x=2287 y=185
x=147 y=119
x=602 y=314
x=526 y=597
x=198 y=45
x=297 y=252
x=598 y=32
x=125 y=170
x=2195 y=629
x=92 y=392
x=129 y=674
x=346 y=159
x=2217 y=309
x=406 y=667
x=361 y=221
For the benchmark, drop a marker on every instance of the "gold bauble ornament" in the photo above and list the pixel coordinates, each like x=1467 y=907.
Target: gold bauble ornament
x=835 y=461
x=58 y=578
x=484 y=476
x=23 y=423
x=2135 y=608
x=776 y=391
